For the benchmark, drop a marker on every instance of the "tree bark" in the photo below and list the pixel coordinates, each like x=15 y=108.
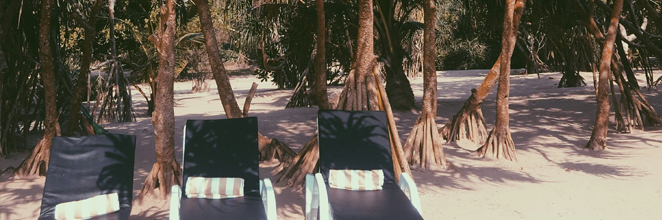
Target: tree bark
x=37 y=162
x=598 y=139
x=362 y=92
x=320 y=60
x=423 y=147
x=166 y=171
x=469 y=122
x=86 y=60
x=499 y=142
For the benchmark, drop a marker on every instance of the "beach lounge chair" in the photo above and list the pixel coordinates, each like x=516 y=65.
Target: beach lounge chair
x=218 y=156
x=89 y=176
x=355 y=157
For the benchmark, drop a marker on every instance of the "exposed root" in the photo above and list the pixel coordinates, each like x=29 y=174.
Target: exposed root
x=273 y=149
x=304 y=163
x=468 y=123
x=361 y=93
x=423 y=146
x=37 y=163
x=162 y=177
x=499 y=145
x=597 y=144
x=633 y=111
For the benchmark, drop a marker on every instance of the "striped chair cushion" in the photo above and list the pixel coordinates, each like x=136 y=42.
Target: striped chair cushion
x=214 y=188
x=88 y=208
x=356 y=179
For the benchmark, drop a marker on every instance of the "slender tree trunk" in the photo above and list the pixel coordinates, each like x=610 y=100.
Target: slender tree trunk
x=86 y=60
x=598 y=139
x=499 y=142
x=320 y=60
x=423 y=147
x=166 y=171
x=225 y=92
x=37 y=162
x=269 y=148
x=362 y=92
x=469 y=122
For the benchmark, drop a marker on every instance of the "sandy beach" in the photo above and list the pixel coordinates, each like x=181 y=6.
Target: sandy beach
x=555 y=178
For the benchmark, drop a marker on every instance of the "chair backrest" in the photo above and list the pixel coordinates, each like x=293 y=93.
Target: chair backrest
x=355 y=140
x=83 y=167
x=222 y=148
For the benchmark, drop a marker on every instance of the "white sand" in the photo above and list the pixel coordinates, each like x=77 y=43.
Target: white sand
x=555 y=177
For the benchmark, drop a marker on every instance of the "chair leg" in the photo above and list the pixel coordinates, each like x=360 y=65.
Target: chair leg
x=322 y=198
x=268 y=198
x=175 y=198
x=407 y=185
x=311 y=195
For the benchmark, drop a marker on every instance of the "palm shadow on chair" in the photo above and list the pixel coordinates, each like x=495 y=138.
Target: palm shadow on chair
x=88 y=166
x=223 y=148
x=357 y=140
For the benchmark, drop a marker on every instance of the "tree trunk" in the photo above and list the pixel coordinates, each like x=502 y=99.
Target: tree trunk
x=499 y=143
x=90 y=32
x=362 y=92
x=423 y=146
x=266 y=146
x=166 y=171
x=225 y=92
x=37 y=162
x=320 y=61
x=598 y=139
x=398 y=87
x=469 y=122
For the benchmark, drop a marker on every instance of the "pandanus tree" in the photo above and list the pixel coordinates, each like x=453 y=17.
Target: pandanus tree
x=396 y=26
x=423 y=146
x=166 y=170
x=37 y=162
x=362 y=91
x=598 y=139
x=469 y=122
x=499 y=143
x=89 y=27
x=20 y=85
x=632 y=110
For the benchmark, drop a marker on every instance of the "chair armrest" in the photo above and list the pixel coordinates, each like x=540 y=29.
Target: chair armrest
x=268 y=198
x=175 y=198
x=407 y=185
x=308 y=195
x=322 y=198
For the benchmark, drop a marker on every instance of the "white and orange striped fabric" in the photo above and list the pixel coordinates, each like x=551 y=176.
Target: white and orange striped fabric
x=356 y=179
x=88 y=208
x=214 y=188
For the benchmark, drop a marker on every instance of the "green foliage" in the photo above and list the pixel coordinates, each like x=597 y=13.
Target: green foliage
x=464 y=41
x=460 y=54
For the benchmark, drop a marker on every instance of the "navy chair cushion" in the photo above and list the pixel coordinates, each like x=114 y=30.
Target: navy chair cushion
x=235 y=208
x=82 y=167
x=388 y=203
